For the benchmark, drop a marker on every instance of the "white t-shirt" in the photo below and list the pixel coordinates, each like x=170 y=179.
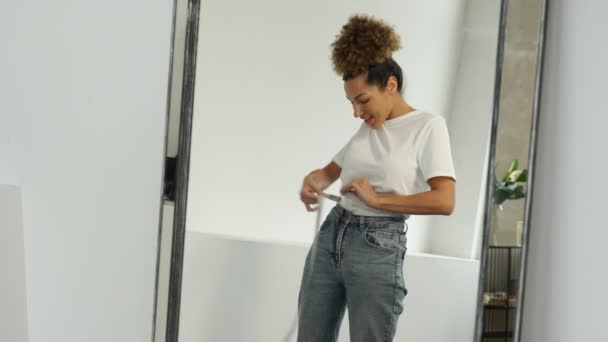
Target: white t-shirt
x=398 y=157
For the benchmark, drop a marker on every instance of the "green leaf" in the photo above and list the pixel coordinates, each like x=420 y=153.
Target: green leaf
x=513 y=186
x=523 y=177
x=500 y=196
x=515 y=175
x=505 y=177
x=510 y=185
x=519 y=192
x=514 y=165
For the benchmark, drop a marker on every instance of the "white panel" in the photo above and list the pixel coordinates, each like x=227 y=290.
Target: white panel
x=13 y=310
x=237 y=290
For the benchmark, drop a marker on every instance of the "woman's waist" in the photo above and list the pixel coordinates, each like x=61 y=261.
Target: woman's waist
x=358 y=208
x=344 y=216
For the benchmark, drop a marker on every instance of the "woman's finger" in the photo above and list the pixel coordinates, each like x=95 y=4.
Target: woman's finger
x=311 y=196
x=311 y=184
x=346 y=189
x=308 y=199
x=310 y=208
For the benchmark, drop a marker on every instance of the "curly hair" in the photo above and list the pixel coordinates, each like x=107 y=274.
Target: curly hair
x=363 y=42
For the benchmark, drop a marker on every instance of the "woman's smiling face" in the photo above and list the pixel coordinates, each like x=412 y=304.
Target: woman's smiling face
x=370 y=103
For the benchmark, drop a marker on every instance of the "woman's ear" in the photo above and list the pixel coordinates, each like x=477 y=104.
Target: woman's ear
x=392 y=85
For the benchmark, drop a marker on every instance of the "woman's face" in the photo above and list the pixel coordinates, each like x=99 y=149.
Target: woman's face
x=370 y=103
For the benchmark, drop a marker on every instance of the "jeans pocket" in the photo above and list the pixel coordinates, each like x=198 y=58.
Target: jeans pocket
x=386 y=240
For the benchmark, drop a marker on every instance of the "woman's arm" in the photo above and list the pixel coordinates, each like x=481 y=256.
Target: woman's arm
x=317 y=181
x=437 y=201
x=324 y=177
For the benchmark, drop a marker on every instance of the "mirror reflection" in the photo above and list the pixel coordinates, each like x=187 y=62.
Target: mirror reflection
x=338 y=166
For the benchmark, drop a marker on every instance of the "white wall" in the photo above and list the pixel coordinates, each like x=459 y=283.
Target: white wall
x=564 y=297
x=9 y=170
x=269 y=109
x=85 y=85
x=13 y=310
x=469 y=126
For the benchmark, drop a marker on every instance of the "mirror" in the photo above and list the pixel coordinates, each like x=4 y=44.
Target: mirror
x=513 y=144
x=257 y=105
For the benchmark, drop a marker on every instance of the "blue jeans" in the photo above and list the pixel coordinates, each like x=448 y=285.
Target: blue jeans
x=355 y=262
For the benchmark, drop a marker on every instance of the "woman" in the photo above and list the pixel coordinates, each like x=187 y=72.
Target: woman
x=397 y=164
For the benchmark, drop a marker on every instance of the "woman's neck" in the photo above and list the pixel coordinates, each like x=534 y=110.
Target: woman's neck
x=400 y=108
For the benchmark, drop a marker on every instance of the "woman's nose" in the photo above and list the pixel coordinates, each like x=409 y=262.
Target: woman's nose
x=356 y=111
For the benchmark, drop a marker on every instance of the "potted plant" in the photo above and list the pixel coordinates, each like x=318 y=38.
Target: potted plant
x=511 y=186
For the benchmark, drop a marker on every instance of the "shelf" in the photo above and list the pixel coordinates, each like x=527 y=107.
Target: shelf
x=498 y=307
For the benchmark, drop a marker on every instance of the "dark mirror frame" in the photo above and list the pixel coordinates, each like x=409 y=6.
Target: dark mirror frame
x=179 y=190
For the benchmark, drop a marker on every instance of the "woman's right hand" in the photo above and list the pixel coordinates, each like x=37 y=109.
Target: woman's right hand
x=312 y=186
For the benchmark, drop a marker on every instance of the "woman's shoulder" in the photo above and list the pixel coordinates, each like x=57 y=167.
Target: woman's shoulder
x=430 y=121
x=421 y=123
x=429 y=116
x=419 y=119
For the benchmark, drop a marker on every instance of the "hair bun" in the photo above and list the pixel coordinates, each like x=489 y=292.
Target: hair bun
x=363 y=41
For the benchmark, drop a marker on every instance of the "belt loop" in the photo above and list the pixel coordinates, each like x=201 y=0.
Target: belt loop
x=345 y=216
x=361 y=222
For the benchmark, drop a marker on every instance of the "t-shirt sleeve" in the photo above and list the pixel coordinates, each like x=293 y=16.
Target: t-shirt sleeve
x=339 y=157
x=434 y=152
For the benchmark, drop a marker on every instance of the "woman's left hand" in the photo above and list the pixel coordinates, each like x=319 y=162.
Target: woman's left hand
x=362 y=189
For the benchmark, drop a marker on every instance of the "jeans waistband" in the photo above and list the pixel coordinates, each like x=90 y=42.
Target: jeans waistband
x=342 y=216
